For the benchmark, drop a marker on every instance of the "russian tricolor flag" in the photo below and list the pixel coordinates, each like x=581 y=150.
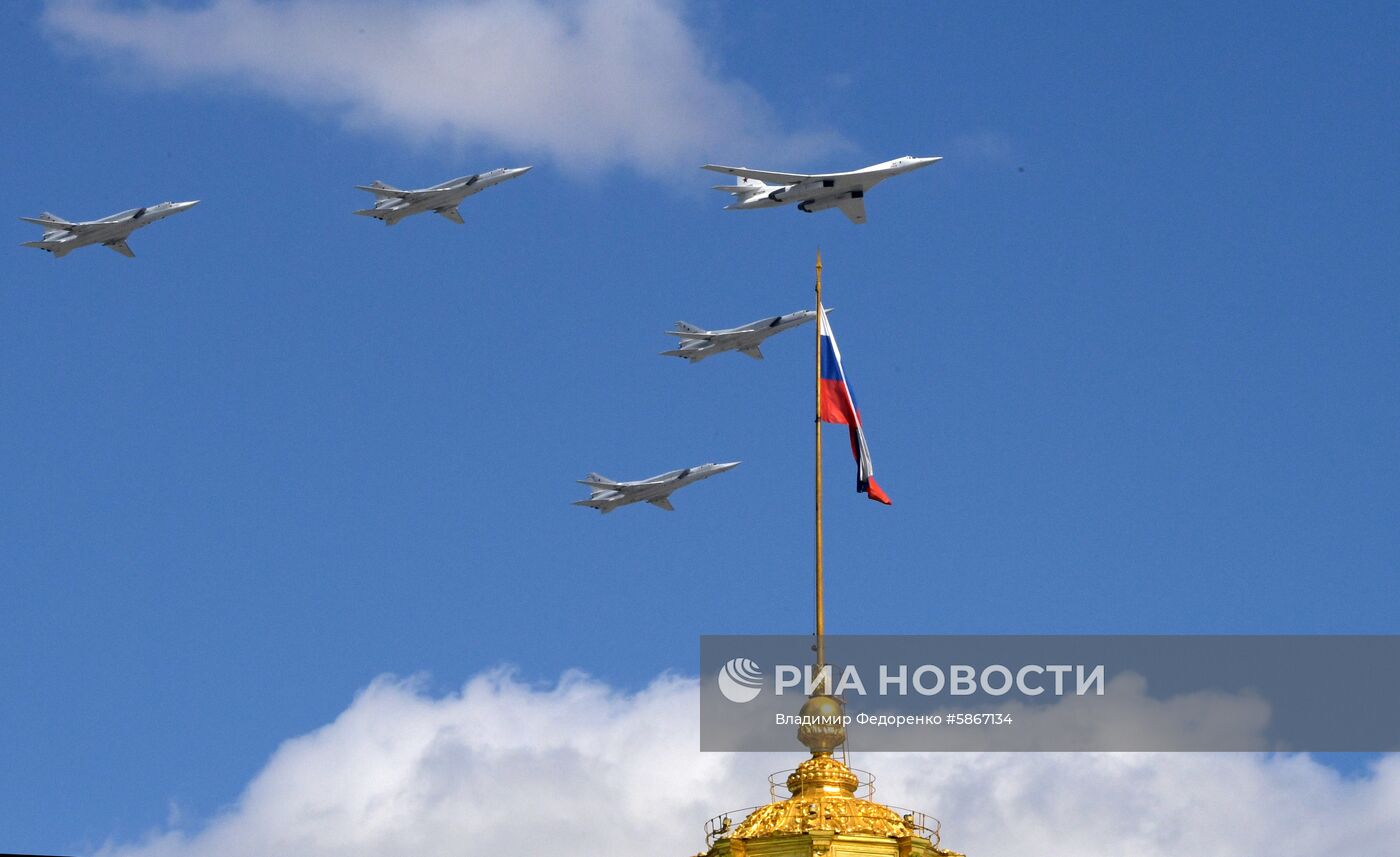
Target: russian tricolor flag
x=836 y=404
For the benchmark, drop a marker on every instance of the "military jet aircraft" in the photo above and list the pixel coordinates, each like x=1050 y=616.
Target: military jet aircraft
x=608 y=495
x=392 y=204
x=817 y=192
x=62 y=237
x=697 y=344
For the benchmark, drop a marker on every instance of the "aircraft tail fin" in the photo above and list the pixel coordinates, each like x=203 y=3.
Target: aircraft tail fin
x=50 y=221
x=687 y=327
x=59 y=249
x=742 y=187
x=690 y=354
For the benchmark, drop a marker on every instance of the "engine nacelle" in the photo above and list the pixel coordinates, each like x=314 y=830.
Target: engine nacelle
x=824 y=203
x=813 y=187
x=821 y=204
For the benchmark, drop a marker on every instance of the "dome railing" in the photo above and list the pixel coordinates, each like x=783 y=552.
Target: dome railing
x=723 y=825
x=924 y=824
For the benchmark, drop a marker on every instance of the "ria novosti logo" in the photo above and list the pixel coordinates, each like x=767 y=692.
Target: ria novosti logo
x=740 y=680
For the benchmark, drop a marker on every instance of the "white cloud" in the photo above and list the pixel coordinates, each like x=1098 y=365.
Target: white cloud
x=590 y=84
x=502 y=767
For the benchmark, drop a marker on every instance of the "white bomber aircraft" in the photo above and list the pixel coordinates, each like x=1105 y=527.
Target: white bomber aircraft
x=62 y=237
x=393 y=204
x=816 y=192
x=608 y=495
x=697 y=344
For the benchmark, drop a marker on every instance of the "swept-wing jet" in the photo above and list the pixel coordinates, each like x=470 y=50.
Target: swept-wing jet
x=696 y=344
x=62 y=237
x=393 y=204
x=817 y=192
x=608 y=495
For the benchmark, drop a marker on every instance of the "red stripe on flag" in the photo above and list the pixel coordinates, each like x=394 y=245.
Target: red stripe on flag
x=835 y=403
x=876 y=494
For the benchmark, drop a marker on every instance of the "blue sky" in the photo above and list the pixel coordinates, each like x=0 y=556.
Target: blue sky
x=1128 y=360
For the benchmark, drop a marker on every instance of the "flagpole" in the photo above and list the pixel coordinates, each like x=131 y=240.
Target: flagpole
x=821 y=615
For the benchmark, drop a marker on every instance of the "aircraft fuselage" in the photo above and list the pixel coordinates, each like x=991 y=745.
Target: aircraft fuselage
x=814 y=192
x=611 y=495
x=697 y=345
x=394 y=204
x=61 y=237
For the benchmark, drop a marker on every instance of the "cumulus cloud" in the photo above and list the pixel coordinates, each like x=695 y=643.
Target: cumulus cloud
x=506 y=767
x=590 y=84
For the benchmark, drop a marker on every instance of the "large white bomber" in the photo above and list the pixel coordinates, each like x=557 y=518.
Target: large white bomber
x=62 y=237
x=608 y=495
x=815 y=192
x=393 y=204
x=697 y=344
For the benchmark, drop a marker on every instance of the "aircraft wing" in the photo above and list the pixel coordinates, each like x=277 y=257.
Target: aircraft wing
x=121 y=247
x=854 y=208
x=770 y=177
x=451 y=213
x=387 y=192
x=605 y=484
x=663 y=503
x=713 y=335
x=75 y=228
x=619 y=487
x=384 y=191
x=628 y=487
x=416 y=194
x=49 y=224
